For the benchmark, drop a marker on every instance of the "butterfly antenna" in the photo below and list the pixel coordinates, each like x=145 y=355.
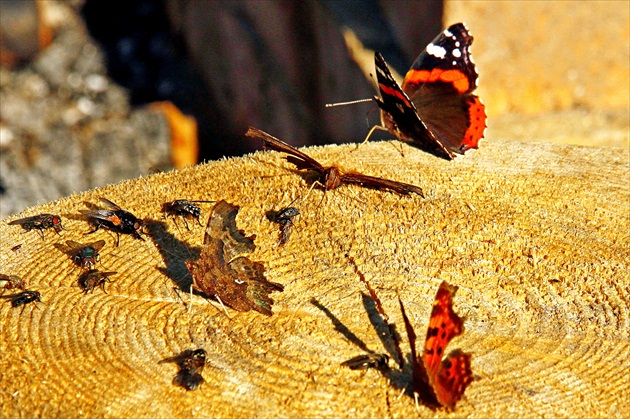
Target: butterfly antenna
x=352 y=102
x=307 y=194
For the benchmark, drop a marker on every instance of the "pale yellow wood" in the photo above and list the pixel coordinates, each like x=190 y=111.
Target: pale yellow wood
x=535 y=236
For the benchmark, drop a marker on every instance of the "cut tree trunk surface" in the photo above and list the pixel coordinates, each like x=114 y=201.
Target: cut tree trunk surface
x=534 y=235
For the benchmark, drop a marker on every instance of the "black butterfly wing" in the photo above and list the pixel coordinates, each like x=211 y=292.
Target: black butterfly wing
x=399 y=115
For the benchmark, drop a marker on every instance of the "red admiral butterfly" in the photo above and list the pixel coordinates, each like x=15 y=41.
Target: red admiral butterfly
x=435 y=109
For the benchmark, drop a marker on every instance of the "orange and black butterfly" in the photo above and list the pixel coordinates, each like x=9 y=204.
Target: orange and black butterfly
x=444 y=379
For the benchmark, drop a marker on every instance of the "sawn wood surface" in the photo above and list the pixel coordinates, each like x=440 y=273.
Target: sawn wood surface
x=536 y=237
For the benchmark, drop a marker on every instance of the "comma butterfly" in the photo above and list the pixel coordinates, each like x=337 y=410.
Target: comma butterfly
x=223 y=272
x=444 y=380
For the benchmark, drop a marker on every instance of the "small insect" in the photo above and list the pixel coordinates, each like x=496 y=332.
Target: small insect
x=191 y=364
x=94 y=278
x=284 y=217
x=331 y=177
x=23 y=298
x=183 y=208
x=40 y=222
x=115 y=219
x=83 y=255
x=11 y=282
x=363 y=362
x=16 y=247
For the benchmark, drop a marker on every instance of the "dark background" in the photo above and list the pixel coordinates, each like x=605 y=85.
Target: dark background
x=271 y=64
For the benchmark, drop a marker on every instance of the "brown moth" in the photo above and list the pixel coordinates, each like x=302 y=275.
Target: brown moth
x=331 y=177
x=223 y=272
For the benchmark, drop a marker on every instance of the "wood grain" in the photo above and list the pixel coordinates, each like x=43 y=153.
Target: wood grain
x=535 y=236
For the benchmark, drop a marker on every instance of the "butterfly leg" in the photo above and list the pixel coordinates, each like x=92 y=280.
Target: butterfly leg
x=415 y=398
x=309 y=191
x=401 y=394
x=191 y=300
x=369 y=134
x=222 y=305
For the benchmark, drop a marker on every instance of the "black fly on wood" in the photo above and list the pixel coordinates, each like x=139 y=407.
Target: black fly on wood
x=40 y=222
x=184 y=208
x=114 y=219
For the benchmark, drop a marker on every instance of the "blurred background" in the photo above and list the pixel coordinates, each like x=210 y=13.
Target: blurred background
x=94 y=92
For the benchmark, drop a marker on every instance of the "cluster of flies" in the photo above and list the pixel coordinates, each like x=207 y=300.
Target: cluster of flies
x=85 y=256
x=119 y=221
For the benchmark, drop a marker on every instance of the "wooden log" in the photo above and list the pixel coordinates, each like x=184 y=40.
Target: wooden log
x=535 y=236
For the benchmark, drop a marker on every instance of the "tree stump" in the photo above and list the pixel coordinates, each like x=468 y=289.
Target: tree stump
x=535 y=236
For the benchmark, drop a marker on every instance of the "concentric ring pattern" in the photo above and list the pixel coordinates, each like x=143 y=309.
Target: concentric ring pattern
x=538 y=245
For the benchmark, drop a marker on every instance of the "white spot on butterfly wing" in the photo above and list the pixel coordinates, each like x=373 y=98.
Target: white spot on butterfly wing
x=447 y=33
x=436 y=51
x=456 y=53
